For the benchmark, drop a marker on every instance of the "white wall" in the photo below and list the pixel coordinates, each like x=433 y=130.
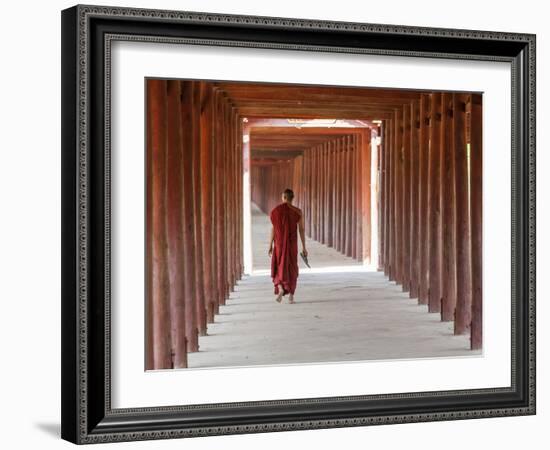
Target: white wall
x=30 y=225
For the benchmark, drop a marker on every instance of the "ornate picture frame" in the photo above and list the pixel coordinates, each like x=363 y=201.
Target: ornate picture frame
x=87 y=35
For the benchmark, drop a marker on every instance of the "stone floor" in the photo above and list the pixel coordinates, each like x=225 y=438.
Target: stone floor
x=343 y=312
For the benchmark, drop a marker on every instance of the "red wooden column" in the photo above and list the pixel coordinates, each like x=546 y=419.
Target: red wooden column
x=406 y=186
x=206 y=199
x=415 y=200
x=228 y=185
x=240 y=173
x=311 y=191
x=335 y=181
x=220 y=200
x=186 y=130
x=174 y=225
x=398 y=206
x=315 y=194
x=330 y=194
x=390 y=223
x=476 y=205
x=366 y=199
x=307 y=214
x=352 y=197
x=335 y=197
x=234 y=200
x=359 y=196
x=448 y=268
x=383 y=196
x=348 y=184
x=424 y=153
x=434 y=205
x=463 y=236
x=341 y=204
x=320 y=193
x=158 y=321
x=216 y=289
x=197 y=214
x=323 y=193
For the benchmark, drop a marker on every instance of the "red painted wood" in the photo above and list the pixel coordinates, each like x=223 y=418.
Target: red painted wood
x=399 y=196
x=476 y=202
x=352 y=195
x=159 y=342
x=366 y=151
x=187 y=139
x=174 y=225
x=197 y=212
x=415 y=199
x=390 y=220
x=424 y=134
x=434 y=205
x=206 y=199
x=406 y=194
x=463 y=235
x=383 y=177
x=448 y=268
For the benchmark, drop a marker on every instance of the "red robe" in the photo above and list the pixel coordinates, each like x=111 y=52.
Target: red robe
x=284 y=260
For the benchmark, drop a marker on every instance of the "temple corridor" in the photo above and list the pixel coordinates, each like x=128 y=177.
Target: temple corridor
x=390 y=184
x=343 y=312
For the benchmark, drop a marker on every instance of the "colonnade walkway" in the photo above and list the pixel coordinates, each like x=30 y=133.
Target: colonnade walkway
x=344 y=311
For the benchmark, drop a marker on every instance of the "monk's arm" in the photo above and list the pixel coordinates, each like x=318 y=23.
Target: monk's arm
x=302 y=234
x=271 y=239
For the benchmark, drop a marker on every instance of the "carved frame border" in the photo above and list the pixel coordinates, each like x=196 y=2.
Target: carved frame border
x=79 y=418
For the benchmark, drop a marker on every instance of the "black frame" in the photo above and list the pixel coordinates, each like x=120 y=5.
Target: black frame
x=87 y=416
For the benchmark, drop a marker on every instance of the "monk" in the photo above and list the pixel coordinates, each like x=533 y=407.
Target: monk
x=286 y=220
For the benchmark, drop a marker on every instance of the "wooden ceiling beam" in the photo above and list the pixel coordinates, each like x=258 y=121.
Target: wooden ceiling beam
x=277 y=113
x=260 y=91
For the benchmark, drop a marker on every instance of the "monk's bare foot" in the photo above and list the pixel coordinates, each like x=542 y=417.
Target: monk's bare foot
x=280 y=295
x=291 y=299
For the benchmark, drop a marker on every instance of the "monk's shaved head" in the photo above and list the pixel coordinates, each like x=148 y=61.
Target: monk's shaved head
x=288 y=194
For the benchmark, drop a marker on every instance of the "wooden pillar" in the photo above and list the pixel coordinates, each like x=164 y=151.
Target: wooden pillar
x=382 y=197
x=463 y=236
x=406 y=190
x=324 y=193
x=174 y=225
x=197 y=215
x=448 y=201
x=415 y=199
x=349 y=199
x=434 y=206
x=352 y=197
x=398 y=206
x=424 y=153
x=186 y=130
x=341 y=210
x=366 y=151
x=320 y=188
x=214 y=114
x=228 y=184
x=330 y=194
x=206 y=199
x=390 y=224
x=476 y=198
x=220 y=201
x=359 y=196
x=336 y=180
x=159 y=323
x=315 y=193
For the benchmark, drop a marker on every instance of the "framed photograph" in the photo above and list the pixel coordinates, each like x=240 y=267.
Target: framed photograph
x=278 y=224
